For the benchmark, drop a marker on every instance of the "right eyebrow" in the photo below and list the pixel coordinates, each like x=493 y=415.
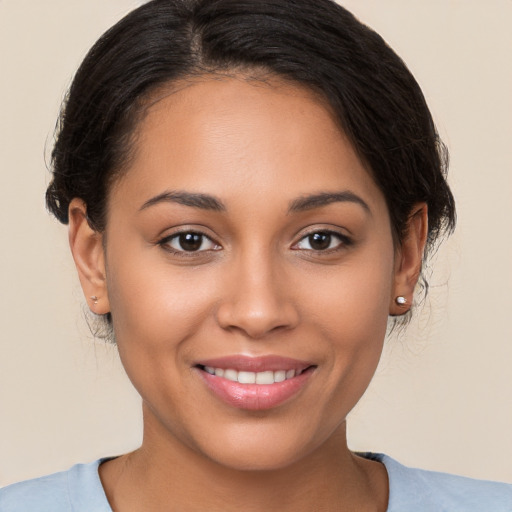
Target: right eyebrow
x=321 y=199
x=193 y=199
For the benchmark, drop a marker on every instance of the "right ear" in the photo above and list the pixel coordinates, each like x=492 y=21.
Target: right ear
x=87 y=248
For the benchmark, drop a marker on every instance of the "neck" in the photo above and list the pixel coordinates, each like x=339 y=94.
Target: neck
x=165 y=471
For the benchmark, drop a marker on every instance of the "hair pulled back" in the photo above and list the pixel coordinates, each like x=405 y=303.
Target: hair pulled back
x=316 y=43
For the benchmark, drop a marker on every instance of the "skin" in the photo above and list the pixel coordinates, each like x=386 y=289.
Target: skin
x=256 y=287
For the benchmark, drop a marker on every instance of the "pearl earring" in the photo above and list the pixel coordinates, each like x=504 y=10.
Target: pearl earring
x=401 y=301
x=94 y=299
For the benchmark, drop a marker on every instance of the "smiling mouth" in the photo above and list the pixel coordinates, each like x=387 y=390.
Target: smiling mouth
x=255 y=383
x=245 y=377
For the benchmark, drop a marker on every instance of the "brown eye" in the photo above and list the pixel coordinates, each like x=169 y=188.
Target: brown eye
x=189 y=241
x=323 y=241
x=320 y=241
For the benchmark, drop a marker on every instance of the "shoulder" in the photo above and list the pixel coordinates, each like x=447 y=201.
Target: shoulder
x=41 y=494
x=77 y=489
x=430 y=491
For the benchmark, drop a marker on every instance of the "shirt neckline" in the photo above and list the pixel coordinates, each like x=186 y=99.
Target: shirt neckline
x=96 y=487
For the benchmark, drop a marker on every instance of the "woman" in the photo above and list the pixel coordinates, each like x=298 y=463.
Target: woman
x=250 y=189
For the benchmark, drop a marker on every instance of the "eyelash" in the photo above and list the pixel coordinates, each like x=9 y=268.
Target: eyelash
x=343 y=241
x=165 y=243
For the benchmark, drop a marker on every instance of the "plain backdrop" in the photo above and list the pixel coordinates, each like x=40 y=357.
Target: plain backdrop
x=442 y=397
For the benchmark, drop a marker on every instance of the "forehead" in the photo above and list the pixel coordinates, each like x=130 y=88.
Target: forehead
x=232 y=136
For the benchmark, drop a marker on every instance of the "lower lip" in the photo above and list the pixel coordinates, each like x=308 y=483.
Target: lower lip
x=255 y=397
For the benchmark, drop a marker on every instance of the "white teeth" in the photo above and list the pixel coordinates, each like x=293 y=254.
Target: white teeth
x=279 y=376
x=267 y=377
x=246 y=377
x=231 y=375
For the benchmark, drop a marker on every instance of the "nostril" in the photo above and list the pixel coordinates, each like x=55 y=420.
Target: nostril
x=256 y=317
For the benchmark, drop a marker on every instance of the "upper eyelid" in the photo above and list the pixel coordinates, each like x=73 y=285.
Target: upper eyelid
x=183 y=230
x=166 y=241
x=345 y=240
x=330 y=230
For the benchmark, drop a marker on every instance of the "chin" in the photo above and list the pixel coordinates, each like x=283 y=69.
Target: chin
x=264 y=459
x=271 y=449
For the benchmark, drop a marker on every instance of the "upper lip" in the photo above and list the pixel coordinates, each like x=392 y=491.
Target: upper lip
x=255 y=364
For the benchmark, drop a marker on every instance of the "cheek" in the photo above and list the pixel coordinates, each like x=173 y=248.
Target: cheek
x=156 y=311
x=354 y=302
x=155 y=304
x=351 y=312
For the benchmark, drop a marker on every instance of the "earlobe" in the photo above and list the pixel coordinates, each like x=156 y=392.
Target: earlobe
x=408 y=260
x=87 y=248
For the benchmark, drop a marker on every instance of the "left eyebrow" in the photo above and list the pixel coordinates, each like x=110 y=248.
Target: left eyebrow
x=194 y=200
x=313 y=201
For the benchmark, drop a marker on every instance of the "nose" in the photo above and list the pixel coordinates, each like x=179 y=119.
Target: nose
x=257 y=298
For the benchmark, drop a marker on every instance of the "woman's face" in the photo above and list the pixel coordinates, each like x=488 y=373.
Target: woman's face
x=250 y=269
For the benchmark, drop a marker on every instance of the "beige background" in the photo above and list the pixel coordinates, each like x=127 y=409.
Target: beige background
x=442 y=398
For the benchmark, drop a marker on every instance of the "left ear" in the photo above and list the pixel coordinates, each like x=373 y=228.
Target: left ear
x=88 y=252
x=408 y=260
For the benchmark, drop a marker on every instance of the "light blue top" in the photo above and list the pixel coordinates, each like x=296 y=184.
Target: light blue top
x=410 y=490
